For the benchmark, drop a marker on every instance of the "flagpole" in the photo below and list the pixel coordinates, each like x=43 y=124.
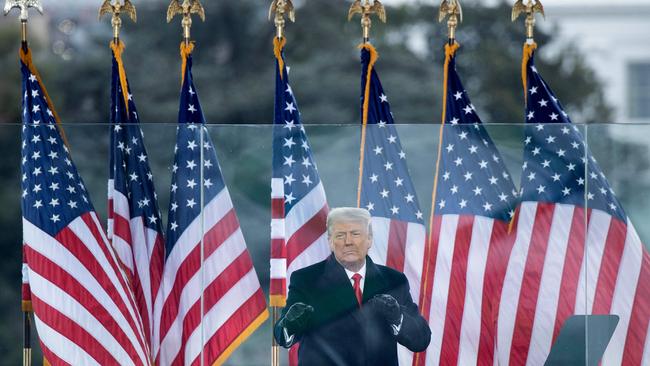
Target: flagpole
x=278 y=10
x=23 y=6
x=453 y=10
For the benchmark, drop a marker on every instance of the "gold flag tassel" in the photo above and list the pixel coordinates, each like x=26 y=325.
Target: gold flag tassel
x=364 y=117
x=115 y=8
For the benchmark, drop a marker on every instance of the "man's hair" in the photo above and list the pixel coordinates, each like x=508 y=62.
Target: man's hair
x=347 y=214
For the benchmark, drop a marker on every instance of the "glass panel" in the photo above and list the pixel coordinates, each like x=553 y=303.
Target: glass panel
x=617 y=265
x=526 y=278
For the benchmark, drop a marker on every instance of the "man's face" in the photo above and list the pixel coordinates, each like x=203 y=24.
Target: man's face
x=350 y=242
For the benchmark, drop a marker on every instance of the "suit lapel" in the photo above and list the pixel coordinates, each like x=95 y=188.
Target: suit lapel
x=374 y=281
x=337 y=281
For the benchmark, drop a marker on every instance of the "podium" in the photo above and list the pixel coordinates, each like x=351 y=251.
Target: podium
x=582 y=340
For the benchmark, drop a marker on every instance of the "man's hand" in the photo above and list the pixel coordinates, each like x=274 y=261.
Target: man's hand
x=388 y=307
x=296 y=318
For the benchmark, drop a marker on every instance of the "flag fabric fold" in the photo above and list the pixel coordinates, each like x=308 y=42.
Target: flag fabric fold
x=135 y=226
x=298 y=203
x=385 y=186
x=211 y=299
x=84 y=310
x=469 y=244
x=576 y=251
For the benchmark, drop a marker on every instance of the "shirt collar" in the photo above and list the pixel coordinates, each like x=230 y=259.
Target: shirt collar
x=362 y=271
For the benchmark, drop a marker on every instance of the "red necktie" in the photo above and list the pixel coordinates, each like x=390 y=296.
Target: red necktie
x=357 y=287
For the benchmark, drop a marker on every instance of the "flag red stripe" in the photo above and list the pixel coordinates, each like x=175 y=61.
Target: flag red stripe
x=75 y=333
x=609 y=264
x=638 y=325
x=88 y=259
x=111 y=209
x=396 y=245
x=574 y=258
x=192 y=263
x=277 y=208
x=213 y=292
x=308 y=233
x=456 y=294
x=52 y=358
x=277 y=286
x=71 y=286
x=122 y=228
x=156 y=265
x=277 y=248
x=530 y=283
x=230 y=330
x=501 y=244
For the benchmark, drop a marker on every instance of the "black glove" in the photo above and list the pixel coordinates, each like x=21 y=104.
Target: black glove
x=296 y=318
x=388 y=307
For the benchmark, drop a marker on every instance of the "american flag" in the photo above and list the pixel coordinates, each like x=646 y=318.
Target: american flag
x=134 y=222
x=576 y=251
x=211 y=299
x=386 y=189
x=84 y=310
x=474 y=199
x=298 y=204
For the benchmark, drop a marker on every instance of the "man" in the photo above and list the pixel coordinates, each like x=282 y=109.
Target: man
x=347 y=310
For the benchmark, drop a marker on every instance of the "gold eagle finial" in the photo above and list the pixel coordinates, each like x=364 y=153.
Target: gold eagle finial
x=186 y=9
x=453 y=10
x=115 y=10
x=24 y=6
x=366 y=10
x=280 y=8
x=530 y=8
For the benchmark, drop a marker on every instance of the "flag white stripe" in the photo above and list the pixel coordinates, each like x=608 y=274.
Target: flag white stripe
x=213 y=266
x=414 y=257
x=440 y=290
x=470 y=330
x=549 y=289
x=594 y=248
x=380 y=231
x=277 y=188
x=141 y=257
x=277 y=229
x=624 y=292
x=221 y=311
x=123 y=250
x=61 y=346
x=59 y=255
x=76 y=312
x=304 y=210
x=512 y=283
x=278 y=268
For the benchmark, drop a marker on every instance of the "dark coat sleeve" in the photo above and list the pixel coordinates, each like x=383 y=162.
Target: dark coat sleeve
x=296 y=294
x=415 y=333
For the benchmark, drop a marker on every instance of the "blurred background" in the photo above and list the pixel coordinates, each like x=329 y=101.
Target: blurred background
x=595 y=55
